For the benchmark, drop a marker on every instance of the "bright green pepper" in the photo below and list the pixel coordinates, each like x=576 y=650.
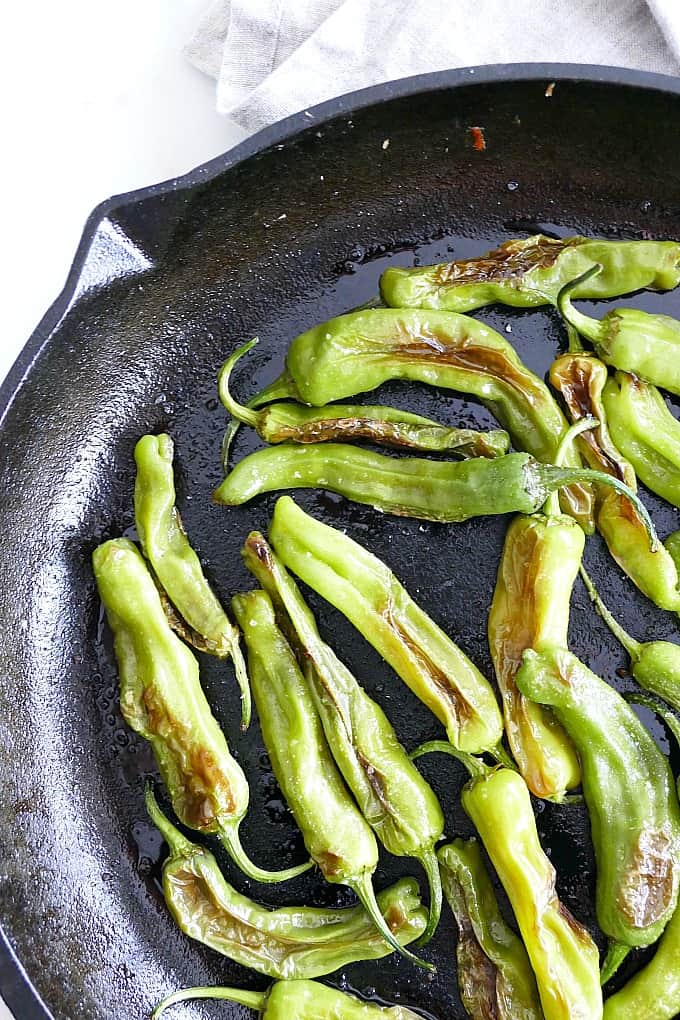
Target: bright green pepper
x=530 y=609
x=654 y=992
x=176 y=565
x=360 y=351
x=336 y=835
x=494 y=974
x=289 y=942
x=387 y=426
x=563 y=956
x=654 y=664
x=443 y=491
x=629 y=791
x=161 y=699
x=582 y=381
x=530 y=271
x=631 y=340
x=370 y=596
x=646 y=433
x=295 y=1000
x=393 y=797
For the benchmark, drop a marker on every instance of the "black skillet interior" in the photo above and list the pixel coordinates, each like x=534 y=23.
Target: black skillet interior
x=167 y=283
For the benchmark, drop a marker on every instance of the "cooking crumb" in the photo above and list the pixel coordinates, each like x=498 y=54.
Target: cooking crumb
x=550 y=89
x=386 y=144
x=478 y=139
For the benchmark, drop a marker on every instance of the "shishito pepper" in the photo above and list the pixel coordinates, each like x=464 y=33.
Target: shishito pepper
x=443 y=491
x=289 y=942
x=363 y=588
x=336 y=835
x=203 y=622
x=295 y=1000
x=161 y=699
x=654 y=664
x=359 y=351
x=564 y=958
x=646 y=433
x=530 y=271
x=582 y=380
x=494 y=974
x=629 y=791
x=530 y=609
x=631 y=340
x=388 y=426
x=393 y=797
x=654 y=992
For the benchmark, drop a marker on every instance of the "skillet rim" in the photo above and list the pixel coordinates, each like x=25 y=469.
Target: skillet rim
x=15 y=985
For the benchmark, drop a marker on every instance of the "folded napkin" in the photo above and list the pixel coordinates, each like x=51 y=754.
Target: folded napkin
x=276 y=57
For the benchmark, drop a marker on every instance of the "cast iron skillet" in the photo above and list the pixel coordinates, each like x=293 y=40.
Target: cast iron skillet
x=289 y=228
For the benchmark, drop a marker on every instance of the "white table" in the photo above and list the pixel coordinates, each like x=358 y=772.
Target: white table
x=98 y=100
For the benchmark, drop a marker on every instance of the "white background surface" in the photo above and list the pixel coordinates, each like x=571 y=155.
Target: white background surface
x=97 y=99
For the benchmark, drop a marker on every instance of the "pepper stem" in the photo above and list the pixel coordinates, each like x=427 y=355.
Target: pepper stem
x=254 y=1000
x=660 y=710
x=231 y=841
x=431 y=865
x=474 y=766
x=179 y=845
x=632 y=646
x=551 y=507
x=556 y=477
x=238 y=411
x=243 y=682
x=502 y=757
x=616 y=954
x=584 y=324
x=363 y=887
x=575 y=345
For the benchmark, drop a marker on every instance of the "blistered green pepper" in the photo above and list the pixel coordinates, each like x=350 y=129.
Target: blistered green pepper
x=654 y=664
x=359 y=351
x=646 y=433
x=530 y=609
x=336 y=835
x=631 y=340
x=494 y=974
x=393 y=797
x=161 y=699
x=289 y=942
x=203 y=622
x=629 y=791
x=582 y=380
x=564 y=958
x=530 y=271
x=367 y=592
x=388 y=426
x=294 y=1000
x=443 y=491
x=654 y=992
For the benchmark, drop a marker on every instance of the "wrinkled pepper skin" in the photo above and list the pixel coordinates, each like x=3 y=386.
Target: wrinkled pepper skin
x=176 y=565
x=564 y=958
x=629 y=790
x=654 y=992
x=161 y=699
x=398 y=804
x=631 y=340
x=286 y=943
x=582 y=381
x=336 y=835
x=359 y=351
x=363 y=588
x=530 y=609
x=495 y=978
x=530 y=271
x=295 y=1000
x=386 y=426
x=646 y=433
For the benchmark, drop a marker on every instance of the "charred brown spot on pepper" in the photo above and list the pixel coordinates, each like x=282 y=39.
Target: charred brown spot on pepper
x=650 y=884
x=511 y=259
